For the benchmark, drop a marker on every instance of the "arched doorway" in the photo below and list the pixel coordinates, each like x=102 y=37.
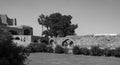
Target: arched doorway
x=67 y=42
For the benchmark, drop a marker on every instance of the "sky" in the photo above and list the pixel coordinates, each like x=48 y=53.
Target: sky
x=92 y=16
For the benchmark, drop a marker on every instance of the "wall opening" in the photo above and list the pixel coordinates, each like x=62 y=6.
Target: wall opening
x=13 y=32
x=26 y=32
x=17 y=38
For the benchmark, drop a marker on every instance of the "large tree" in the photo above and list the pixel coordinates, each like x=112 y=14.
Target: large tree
x=57 y=25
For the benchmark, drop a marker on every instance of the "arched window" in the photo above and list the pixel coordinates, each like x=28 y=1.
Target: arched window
x=13 y=32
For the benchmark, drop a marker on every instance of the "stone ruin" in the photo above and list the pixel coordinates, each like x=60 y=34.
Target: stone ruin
x=103 y=41
x=22 y=35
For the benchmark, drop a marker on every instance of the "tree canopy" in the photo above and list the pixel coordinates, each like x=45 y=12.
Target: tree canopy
x=57 y=25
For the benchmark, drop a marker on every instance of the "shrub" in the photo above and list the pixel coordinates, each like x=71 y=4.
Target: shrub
x=84 y=51
x=37 y=47
x=43 y=47
x=49 y=49
x=59 y=49
x=66 y=50
x=96 y=51
x=109 y=52
x=10 y=53
x=76 y=50
x=117 y=52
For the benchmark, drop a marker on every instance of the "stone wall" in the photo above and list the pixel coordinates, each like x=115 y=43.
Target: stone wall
x=104 y=41
x=23 y=40
x=18 y=30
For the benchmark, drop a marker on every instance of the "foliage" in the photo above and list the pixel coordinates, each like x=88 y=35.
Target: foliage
x=57 y=25
x=96 y=51
x=76 y=50
x=59 y=49
x=117 y=52
x=109 y=52
x=66 y=50
x=10 y=53
x=37 y=47
x=44 y=40
x=49 y=49
x=85 y=51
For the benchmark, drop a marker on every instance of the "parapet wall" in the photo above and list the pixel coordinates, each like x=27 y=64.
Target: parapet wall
x=111 y=41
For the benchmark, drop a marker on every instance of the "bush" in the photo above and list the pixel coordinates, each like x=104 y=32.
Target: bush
x=96 y=51
x=76 y=50
x=66 y=50
x=117 y=52
x=49 y=49
x=10 y=53
x=84 y=51
x=109 y=52
x=59 y=49
x=37 y=47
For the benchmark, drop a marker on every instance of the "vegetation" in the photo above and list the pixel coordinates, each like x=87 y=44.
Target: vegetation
x=76 y=50
x=66 y=50
x=96 y=51
x=117 y=52
x=10 y=53
x=37 y=47
x=50 y=49
x=57 y=25
x=85 y=51
x=59 y=49
x=109 y=52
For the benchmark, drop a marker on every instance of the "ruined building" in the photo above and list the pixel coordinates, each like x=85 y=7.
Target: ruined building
x=22 y=35
x=102 y=40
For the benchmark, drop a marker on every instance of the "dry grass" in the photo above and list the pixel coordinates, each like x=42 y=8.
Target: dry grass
x=69 y=59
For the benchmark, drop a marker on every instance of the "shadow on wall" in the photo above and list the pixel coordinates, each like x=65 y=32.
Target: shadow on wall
x=27 y=32
x=13 y=32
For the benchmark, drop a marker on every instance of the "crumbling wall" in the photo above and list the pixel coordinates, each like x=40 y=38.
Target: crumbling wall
x=104 y=41
x=18 y=30
x=23 y=40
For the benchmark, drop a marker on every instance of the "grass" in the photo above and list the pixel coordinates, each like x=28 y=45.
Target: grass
x=69 y=59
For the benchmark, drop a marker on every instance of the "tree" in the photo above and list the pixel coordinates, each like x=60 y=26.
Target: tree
x=10 y=53
x=57 y=25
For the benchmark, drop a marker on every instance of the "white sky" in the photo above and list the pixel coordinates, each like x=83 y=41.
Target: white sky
x=92 y=16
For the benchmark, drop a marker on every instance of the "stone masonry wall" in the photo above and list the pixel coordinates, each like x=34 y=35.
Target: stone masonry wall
x=104 y=41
